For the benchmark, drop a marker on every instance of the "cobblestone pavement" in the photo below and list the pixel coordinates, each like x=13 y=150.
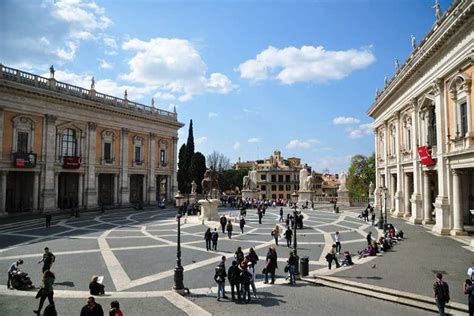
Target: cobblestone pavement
x=136 y=254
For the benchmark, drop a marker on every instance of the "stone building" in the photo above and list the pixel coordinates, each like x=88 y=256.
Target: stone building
x=424 y=128
x=68 y=147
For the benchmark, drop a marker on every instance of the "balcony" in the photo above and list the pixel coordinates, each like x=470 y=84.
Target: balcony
x=24 y=160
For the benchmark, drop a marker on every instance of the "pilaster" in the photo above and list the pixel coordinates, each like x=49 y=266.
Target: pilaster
x=3 y=192
x=124 y=186
x=48 y=187
x=151 y=169
x=1 y=131
x=91 y=185
x=458 y=220
x=416 y=200
x=398 y=188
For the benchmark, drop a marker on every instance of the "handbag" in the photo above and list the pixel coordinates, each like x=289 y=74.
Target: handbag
x=286 y=268
x=264 y=271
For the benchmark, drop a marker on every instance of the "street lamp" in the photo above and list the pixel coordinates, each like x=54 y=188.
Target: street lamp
x=294 y=195
x=178 y=270
x=383 y=192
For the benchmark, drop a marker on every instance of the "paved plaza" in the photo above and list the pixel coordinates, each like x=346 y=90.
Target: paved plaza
x=136 y=253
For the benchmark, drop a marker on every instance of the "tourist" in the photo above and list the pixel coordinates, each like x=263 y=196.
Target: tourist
x=270 y=265
x=214 y=237
x=242 y=224
x=46 y=290
x=208 y=238
x=95 y=287
x=230 y=228
x=331 y=256
x=287 y=220
x=48 y=259
x=251 y=270
x=246 y=280
x=15 y=267
x=252 y=256
x=92 y=308
x=281 y=215
x=440 y=293
x=373 y=218
x=260 y=215
x=292 y=262
x=115 y=309
x=48 y=218
x=276 y=234
x=223 y=221
x=239 y=255
x=219 y=277
x=469 y=290
x=470 y=272
x=234 y=279
x=347 y=261
x=288 y=235
x=337 y=238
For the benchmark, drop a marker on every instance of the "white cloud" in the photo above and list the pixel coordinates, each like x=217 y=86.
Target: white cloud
x=104 y=64
x=172 y=65
x=333 y=162
x=340 y=120
x=201 y=140
x=361 y=130
x=110 y=42
x=110 y=53
x=308 y=63
x=253 y=140
x=164 y=96
x=236 y=145
x=213 y=114
x=296 y=143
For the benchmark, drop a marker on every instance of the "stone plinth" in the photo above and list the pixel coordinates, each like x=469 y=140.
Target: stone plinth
x=305 y=196
x=209 y=210
x=343 y=198
x=249 y=194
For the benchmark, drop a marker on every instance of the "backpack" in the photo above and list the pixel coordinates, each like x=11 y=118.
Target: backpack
x=443 y=291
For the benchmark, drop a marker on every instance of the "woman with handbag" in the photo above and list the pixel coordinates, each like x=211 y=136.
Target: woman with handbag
x=46 y=290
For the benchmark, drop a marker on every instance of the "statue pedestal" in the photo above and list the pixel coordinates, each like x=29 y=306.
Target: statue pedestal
x=343 y=198
x=305 y=196
x=209 y=210
x=192 y=198
x=249 y=194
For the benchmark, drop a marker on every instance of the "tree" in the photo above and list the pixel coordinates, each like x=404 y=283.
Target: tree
x=218 y=161
x=361 y=173
x=186 y=185
x=182 y=170
x=197 y=168
x=229 y=179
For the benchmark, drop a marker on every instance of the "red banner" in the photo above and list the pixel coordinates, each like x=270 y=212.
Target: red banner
x=71 y=162
x=24 y=160
x=425 y=156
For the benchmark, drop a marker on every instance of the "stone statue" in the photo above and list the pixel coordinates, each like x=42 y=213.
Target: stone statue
x=193 y=188
x=210 y=182
x=437 y=8
x=125 y=95
x=92 y=83
x=342 y=181
x=153 y=102
x=385 y=81
x=308 y=183
x=51 y=72
x=413 y=42
x=303 y=175
x=371 y=189
x=253 y=179
x=397 y=65
x=246 y=183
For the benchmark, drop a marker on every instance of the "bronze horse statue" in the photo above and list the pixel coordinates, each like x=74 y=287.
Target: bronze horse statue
x=210 y=182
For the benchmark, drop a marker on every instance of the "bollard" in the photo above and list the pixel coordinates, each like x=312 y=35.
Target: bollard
x=304 y=266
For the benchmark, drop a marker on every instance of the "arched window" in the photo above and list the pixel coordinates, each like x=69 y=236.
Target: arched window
x=69 y=143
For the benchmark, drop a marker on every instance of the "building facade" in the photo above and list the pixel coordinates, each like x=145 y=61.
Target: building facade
x=424 y=128
x=67 y=147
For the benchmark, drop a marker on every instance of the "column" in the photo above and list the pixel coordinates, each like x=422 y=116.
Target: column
x=49 y=179
x=377 y=171
x=1 y=132
x=398 y=196
x=145 y=191
x=442 y=202
x=91 y=181
x=35 y=191
x=416 y=201
x=124 y=188
x=97 y=188
x=458 y=219
x=3 y=192
x=151 y=169
x=406 y=195
x=80 y=191
x=173 y=179
x=393 y=190
x=116 y=180
x=426 y=199
x=56 y=189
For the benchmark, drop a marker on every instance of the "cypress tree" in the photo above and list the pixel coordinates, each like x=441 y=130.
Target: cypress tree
x=197 y=169
x=187 y=160
x=182 y=170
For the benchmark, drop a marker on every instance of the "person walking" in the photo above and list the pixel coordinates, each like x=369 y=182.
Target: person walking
x=288 y=235
x=48 y=218
x=234 y=279
x=219 y=277
x=260 y=215
x=440 y=293
x=92 y=308
x=281 y=215
x=270 y=265
x=239 y=255
x=115 y=309
x=230 y=228
x=223 y=221
x=15 y=267
x=337 y=238
x=48 y=259
x=276 y=234
x=245 y=280
x=214 y=237
x=208 y=239
x=292 y=262
x=469 y=291
x=242 y=224
x=373 y=218
x=46 y=291
x=251 y=270
x=331 y=256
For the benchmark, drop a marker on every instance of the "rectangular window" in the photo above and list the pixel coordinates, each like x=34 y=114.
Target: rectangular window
x=409 y=138
x=287 y=178
x=263 y=177
x=264 y=187
x=274 y=187
x=138 y=154
x=273 y=178
x=264 y=196
x=280 y=187
x=463 y=117
x=288 y=187
x=162 y=157
x=288 y=196
x=108 y=152
x=274 y=196
x=432 y=128
x=22 y=142
x=280 y=178
x=280 y=196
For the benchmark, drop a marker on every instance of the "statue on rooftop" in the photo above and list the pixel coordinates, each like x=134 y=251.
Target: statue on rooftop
x=437 y=8
x=125 y=96
x=153 y=102
x=51 y=72
x=397 y=65
x=413 y=42
x=92 y=83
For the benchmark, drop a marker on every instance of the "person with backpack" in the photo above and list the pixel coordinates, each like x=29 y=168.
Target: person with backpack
x=208 y=238
x=214 y=238
x=288 y=235
x=219 y=277
x=48 y=259
x=234 y=279
x=242 y=224
x=230 y=228
x=245 y=280
x=440 y=293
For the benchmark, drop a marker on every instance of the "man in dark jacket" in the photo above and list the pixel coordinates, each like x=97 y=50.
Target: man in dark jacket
x=223 y=222
x=271 y=265
x=219 y=277
x=234 y=279
x=92 y=308
x=208 y=238
x=48 y=259
x=214 y=237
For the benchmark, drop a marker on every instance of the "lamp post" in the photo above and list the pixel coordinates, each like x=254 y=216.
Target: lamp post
x=178 y=270
x=294 y=195
x=383 y=192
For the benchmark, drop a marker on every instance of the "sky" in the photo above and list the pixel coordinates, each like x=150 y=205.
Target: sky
x=254 y=76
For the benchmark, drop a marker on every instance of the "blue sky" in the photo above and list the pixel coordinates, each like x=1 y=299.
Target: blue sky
x=254 y=76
